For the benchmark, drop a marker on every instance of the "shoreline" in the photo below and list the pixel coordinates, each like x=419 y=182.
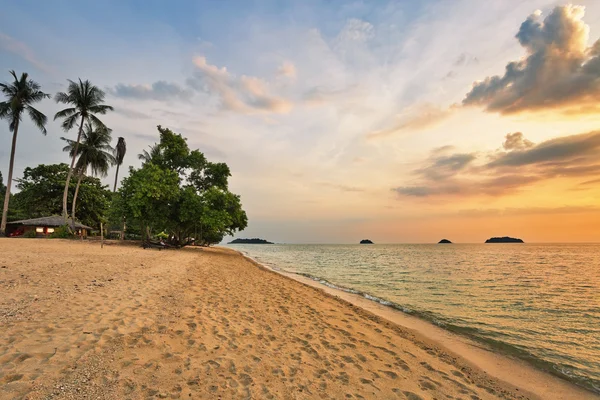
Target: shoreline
x=517 y=374
x=81 y=321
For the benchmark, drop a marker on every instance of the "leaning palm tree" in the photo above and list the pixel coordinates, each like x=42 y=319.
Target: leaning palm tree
x=148 y=156
x=20 y=95
x=119 y=154
x=86 y=101
x=94 y=152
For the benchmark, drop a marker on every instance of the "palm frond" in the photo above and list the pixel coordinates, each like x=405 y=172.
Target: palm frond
x=62 y=97
x=38 y=118
x=70 y=122
x=67 y=112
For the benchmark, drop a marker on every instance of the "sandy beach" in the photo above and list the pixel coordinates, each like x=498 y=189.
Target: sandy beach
x=78 y=321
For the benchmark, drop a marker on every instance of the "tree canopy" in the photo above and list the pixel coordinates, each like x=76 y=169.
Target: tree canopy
x=180 y=192
x=41 y=189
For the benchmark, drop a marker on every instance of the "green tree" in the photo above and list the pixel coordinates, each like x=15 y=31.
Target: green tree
x=85 y=100
x=147 y=156
x=20 y=95
x=119 y=153
x=95 y=153
x=178 y=191
x=40 y=195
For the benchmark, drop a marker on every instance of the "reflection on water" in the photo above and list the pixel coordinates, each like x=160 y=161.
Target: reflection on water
x=540 y=302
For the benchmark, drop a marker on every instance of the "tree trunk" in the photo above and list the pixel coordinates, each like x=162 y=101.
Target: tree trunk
x=9 y=181
x=116 y=177
x=75 y=196
x=70 y=174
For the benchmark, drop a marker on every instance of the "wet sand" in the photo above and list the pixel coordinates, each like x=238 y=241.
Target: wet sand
x=78 y=321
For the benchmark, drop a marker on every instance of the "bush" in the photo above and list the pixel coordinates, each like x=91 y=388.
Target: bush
x=29 y=234
x=62 y=232
x=162 y=235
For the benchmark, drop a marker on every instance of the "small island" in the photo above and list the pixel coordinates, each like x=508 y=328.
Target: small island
x=366 y=241
x=249 y=241
x=504 y=239
x=444 y=241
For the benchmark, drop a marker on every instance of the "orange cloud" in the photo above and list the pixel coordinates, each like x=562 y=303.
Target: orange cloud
x=559 y=71
x=245 y=94
x=503 y=172
x=414 y=118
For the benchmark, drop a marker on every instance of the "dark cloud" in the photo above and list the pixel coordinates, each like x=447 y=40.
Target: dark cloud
x=516 y=141
x=444 y=166
x=559 y=70
x=503 y=172
x=160 y=91
x=567 y=148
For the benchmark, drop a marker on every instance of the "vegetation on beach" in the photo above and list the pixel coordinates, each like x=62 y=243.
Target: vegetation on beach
x=20 y=96
x=176 y=193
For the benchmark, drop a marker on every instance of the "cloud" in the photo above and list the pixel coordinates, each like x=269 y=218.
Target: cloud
x=14 y=46
x=129 y=113
x=559 y=70
x=516 y=141
x=160 y=91
x=498 y=173
x=356 y=30
x=245 y=94
x=414 y=118
x=343 y=188
x=287 y=70
x=465 y=59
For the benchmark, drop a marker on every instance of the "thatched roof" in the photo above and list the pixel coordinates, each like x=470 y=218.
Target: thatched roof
x=54 y=220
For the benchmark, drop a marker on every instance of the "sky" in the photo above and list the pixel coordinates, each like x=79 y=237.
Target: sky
x=396 y=121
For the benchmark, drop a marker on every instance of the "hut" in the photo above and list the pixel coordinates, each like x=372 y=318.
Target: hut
x=44 y=226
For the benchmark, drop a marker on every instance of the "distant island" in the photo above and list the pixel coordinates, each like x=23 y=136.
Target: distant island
x=444 y=241
x=249 y=241
x=366 y=241
x=504 y=239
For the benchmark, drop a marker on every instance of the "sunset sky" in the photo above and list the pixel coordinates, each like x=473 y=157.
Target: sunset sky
x=387 y=120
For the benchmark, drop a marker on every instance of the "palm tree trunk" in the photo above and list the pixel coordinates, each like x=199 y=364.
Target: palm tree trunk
x=9 y=181
x=116 y=177
x=70 y=174
x=75 y=196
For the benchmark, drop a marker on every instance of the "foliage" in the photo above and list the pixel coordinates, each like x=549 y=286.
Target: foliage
x=29 y=234
x=179 y=192
x=94 y=151
x=162 y=235
x=62 y=232
x=41 y=189
x=20 y=95
x=85 y=101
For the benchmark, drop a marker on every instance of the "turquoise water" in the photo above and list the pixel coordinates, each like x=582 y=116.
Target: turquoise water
x=540 y=302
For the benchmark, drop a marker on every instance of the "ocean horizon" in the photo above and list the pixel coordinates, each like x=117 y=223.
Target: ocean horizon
x=534 y=301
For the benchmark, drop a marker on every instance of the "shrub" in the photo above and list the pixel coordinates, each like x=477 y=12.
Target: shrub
x=30 y=234
x=62 y=232
x=162 y=235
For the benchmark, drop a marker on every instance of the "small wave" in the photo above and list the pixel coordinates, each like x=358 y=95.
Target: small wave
x=479 y=335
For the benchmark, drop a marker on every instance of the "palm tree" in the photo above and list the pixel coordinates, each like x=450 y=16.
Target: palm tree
x=94 y=151
x=119 y=154
x=148 y=156
x=20 y=95
x=85 y=100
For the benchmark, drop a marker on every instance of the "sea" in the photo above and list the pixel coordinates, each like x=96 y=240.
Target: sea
x=537 y=302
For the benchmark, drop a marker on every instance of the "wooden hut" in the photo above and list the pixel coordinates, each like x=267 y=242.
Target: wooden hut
x=44 y=226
